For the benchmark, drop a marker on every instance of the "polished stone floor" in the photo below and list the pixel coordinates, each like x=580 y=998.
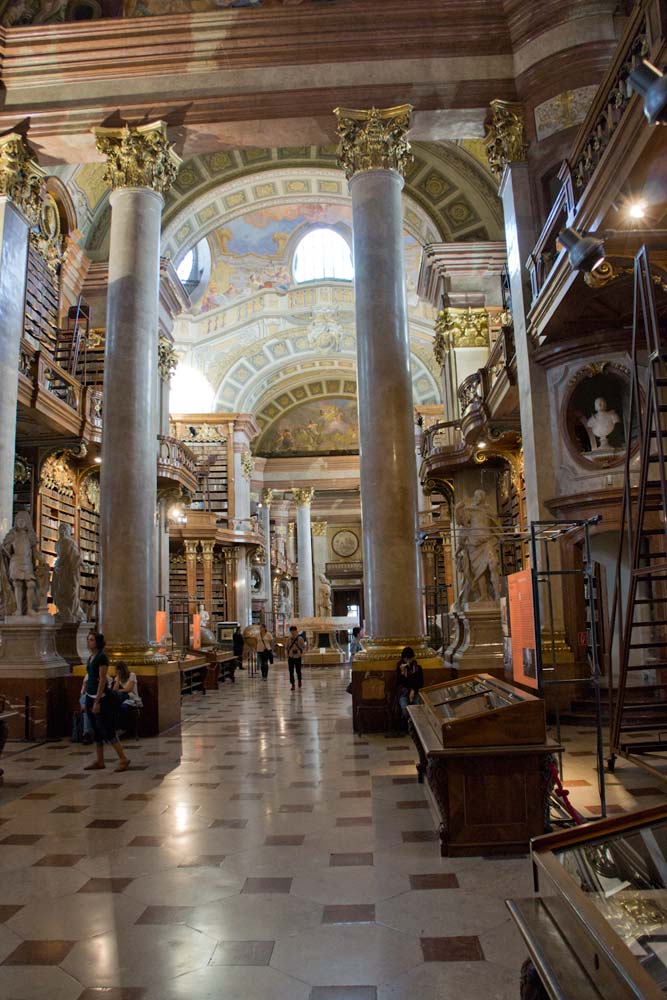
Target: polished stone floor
x=262 y=851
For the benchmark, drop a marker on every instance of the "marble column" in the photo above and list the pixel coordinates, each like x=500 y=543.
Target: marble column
x=140 y=167
x=242 y=596
x=302 y=499
x=21 y=192
x=265 y=525
x=191 y=547
x=319 y=534
x=373 y=151
x=207 y=563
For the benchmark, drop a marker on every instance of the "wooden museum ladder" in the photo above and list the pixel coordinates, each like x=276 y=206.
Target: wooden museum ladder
x=638 y=619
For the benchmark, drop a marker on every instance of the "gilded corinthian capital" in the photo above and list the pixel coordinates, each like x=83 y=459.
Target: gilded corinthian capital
x=21 y=178
x=505 y=135
x=138 y=156
x=373 y=140
x=302 y=498
x=319 y=529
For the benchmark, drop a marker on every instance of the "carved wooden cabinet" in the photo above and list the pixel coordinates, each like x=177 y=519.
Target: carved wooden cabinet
x=484 y=754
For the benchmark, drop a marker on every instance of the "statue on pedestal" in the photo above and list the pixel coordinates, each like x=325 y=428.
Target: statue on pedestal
x=323 y=597
x=602 y=423
x=66 y=580
x=24 y=573
x=478 y=560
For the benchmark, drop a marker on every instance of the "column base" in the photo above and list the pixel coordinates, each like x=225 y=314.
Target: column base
x=481 y=650
x=72 y=641
x=374 y=703
x=32 y=676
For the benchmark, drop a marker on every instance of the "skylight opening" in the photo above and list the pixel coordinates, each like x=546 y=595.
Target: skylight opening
x=322 y=253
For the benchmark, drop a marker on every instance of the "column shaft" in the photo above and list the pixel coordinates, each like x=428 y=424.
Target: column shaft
x=13 y=262
x=265 y=523
x=305 y=561
x=207 y=561
x=128 y=476
x=386 y=435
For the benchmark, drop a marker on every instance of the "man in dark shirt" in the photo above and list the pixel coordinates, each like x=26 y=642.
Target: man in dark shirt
x=238 y=642
x=295 y=649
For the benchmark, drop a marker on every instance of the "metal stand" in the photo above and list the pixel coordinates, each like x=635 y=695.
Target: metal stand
x=542 y=534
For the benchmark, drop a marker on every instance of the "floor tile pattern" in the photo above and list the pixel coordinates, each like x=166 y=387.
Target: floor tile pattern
x=260 y=850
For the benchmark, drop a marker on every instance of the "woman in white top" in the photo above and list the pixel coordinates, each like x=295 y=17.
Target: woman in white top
x=125 y=687
x=264 y=650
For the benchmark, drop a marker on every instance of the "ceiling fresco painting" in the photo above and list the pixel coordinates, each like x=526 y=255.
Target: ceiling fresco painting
x=20 y=12
x=250 y=253
x=313 y=428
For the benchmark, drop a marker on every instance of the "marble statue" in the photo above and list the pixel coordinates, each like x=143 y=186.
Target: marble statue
x=323 y=597
x=602 y=422
x=478 y=559
x=66 y=580
x=205 y=634
x=24 y=572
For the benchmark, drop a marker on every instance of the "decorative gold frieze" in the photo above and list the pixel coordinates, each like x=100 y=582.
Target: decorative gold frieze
x=167 y=359
x=319 y=528
x=373 y=139
x=21 y=177
x=205 y=433
x=460 y=328
x=505 y=135
x=138 y=156
x=302 y=498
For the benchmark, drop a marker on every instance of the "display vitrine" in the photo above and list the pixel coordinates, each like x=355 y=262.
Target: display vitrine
x=599 y=926
x=483 y=711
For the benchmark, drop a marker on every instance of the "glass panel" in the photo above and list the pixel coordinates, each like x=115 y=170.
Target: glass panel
x=625 y=875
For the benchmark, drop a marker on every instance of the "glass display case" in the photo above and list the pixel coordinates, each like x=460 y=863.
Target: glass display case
x=603 y=906
x=481 y=710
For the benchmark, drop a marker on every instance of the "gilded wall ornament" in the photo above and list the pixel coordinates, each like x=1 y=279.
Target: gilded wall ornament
x=373 y=139
x=267 y=498
x=21 y=178
x=460 y=328
x=505 y=136
x=47 y=238
x=167 y=359
x=57 y=475
x=205 y=433
x=291 y=529
x=247 y=465
x=319 y=529
x=303 y=497
x=140 y=156
x=90 y=488
x=22 y=471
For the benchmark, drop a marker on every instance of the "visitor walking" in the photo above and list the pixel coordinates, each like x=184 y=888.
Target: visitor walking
x=295 y=650
x=264 y=650
x=99 y=705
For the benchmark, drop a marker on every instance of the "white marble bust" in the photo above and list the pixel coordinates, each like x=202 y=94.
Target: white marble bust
x=602 y=422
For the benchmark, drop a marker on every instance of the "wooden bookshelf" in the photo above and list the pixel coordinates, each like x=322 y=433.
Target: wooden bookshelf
x=89 y=541
x=41 y=301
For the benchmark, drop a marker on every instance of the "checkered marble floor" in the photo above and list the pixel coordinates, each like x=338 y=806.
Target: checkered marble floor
x=261 y=850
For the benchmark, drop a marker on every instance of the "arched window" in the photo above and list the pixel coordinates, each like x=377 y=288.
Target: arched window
x=322 y=253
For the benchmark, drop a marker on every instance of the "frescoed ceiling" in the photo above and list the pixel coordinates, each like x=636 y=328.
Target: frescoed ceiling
x=450 y=184
x=19 y=12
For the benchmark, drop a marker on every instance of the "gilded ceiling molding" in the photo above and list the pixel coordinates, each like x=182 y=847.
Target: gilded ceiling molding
x=22 y=180
x=303 y=497
x=505 y=135
x=138 y=156
x=374 y=139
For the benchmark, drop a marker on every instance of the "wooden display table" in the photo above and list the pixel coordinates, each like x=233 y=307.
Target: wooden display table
x=488 y=799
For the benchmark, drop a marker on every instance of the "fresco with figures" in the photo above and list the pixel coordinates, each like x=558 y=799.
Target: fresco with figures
x=249 y=253
x=318 y=427
x=17 y=12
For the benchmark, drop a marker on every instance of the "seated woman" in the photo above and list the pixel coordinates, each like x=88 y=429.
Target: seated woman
x=409 y=681
x=125 y=692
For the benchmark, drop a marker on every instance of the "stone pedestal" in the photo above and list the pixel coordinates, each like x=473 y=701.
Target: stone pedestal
x=72 y=641
x=481 y=651
x=32 y=676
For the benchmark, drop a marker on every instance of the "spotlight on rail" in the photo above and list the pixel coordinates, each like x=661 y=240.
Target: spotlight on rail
x=651 y=84
x=585 y=253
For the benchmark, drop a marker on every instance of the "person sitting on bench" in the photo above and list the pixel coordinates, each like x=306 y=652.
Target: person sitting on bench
x=126 y=693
